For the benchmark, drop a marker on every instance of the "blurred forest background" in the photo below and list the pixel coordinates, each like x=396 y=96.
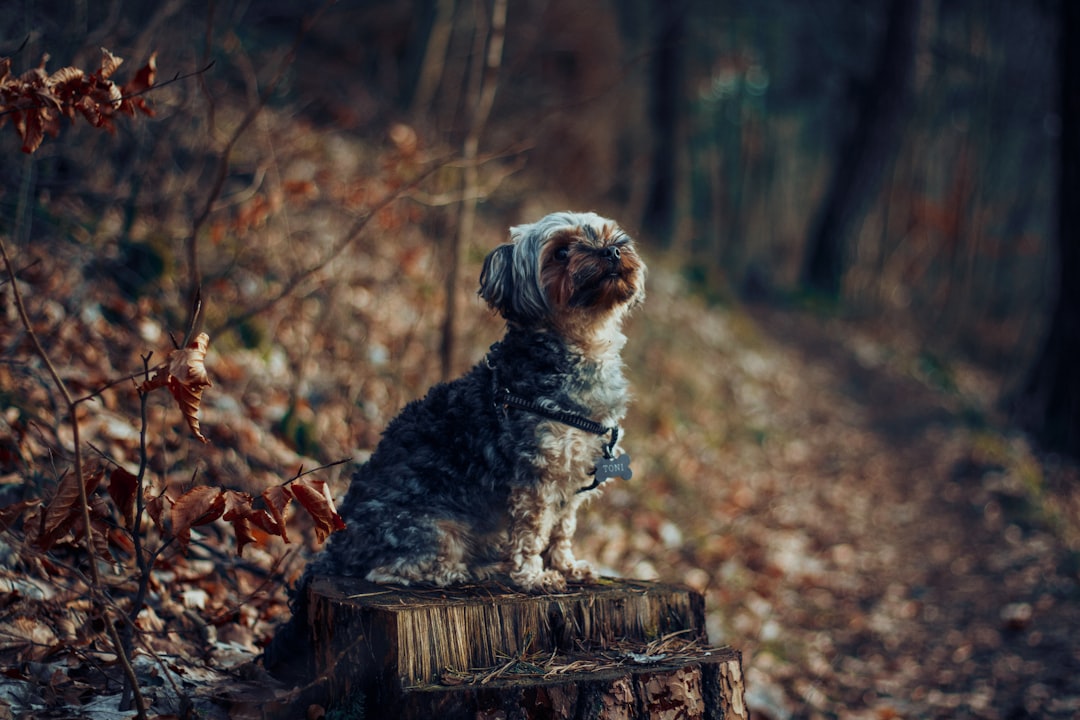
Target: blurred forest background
x=857 y=218
x=901 y=156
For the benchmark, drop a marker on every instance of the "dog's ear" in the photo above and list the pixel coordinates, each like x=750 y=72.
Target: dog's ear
x=497 y=279
x=509 y=283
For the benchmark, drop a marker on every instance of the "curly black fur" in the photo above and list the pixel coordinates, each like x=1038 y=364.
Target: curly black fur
x=453 y=455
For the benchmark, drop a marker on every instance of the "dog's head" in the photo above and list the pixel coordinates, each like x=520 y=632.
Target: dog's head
x=568 y=269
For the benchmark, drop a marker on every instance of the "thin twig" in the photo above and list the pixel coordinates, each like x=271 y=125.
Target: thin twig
x=114 y=383
x=268 y=577
x=36 y=261
x=347 y=239
x=301 y=472
x=466 y=194
x=141 y=561
x=222 y=172
x=88 y=535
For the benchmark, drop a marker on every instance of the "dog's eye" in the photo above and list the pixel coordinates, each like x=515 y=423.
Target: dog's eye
x=562 y=254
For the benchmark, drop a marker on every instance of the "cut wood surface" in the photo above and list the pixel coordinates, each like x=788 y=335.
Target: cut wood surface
x=617 y=649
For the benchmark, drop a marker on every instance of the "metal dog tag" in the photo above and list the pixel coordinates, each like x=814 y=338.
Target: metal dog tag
x=616 y=467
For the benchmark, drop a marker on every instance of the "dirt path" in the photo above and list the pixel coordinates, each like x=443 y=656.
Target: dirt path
x=942 y=594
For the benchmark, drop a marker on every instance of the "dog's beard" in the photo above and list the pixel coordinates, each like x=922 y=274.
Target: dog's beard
x=602 y=288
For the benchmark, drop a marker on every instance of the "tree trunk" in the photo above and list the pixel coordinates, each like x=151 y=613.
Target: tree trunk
x=666 y=103
x=1049 y=403
x=863 y=156
x=434 y=61
x=481 y=95
x=620 y=649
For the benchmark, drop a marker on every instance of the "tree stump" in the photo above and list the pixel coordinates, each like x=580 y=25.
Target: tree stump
x=618 y=649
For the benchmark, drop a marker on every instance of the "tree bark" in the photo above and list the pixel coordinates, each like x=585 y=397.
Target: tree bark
x=708 y=688
x=1049 y=403
x=620 y=649
x=863 y=156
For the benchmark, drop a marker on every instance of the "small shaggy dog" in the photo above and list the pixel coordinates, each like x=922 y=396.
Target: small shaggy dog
x=485 y=474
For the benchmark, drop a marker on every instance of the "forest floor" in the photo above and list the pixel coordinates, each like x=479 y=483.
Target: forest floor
x=863 y=529
x=918 y=555
x=859 y=527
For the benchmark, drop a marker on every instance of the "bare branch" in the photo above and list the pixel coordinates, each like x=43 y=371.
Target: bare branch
x=479 y=192
x=222 y=172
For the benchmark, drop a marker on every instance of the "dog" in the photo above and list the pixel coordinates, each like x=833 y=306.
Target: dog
x=484 y=475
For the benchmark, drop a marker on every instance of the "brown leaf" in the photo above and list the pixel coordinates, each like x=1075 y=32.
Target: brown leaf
x=188 y=364
x=109 y=94
x=155 y=506
x=238 y=511
x=109 y=64
x=89 y=110
x=99 y=509
x=276 y=497
x=122 y=488
x=159 y=379
x=237 y=505
x=244 y=535
x=11 y=513
x=188 y=377
x=314 y=496
x=65 y=76
x=31 y=638
x=69 y=85
x=143 y=81
x=198 y=506
x=121 y=539
x=264 y=521
x=185 y=375
x=36 y=100
x=31 y=127
x=65 y=507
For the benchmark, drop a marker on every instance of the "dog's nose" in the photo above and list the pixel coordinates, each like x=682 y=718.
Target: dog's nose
x=612 y=253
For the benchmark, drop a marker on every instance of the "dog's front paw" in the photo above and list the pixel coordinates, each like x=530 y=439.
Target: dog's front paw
x=581 y=571
x=544 y=581
x=551 y=581
x=563 y=560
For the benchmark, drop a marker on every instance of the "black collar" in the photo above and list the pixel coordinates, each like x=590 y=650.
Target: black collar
x=505 y=399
